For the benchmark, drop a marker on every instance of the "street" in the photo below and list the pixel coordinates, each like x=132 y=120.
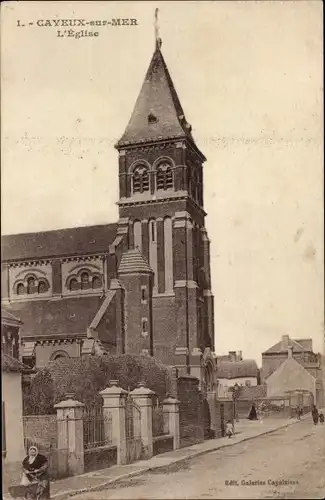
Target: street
x=251 y=469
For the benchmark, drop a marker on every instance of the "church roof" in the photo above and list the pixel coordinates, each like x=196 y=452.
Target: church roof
x=237 y=369
x=133 y=262
x=60 y=242
x=72 y=315
x=158 y=113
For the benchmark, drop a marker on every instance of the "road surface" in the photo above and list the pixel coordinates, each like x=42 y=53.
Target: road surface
x=286 y=464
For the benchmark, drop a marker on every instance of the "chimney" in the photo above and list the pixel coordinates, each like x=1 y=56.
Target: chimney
x=239 y=355
x=232 y=355
x=285 y=342
x=290 y=349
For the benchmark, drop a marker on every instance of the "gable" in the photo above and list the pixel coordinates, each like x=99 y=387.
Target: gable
x=288 y=377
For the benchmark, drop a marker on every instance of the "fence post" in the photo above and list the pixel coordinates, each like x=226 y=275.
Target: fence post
x=171 y=408
x=114 y=406
x=142 y=396
x=70 y=433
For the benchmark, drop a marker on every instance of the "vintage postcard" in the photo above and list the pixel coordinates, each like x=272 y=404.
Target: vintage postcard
x=162 y=279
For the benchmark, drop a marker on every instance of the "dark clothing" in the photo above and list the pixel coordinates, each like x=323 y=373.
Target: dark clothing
x=314 y=413
x=36 y=472
x=252 y=414
x=321 y=418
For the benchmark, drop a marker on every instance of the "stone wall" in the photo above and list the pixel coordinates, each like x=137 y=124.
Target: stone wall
x=190 y=410
x=42 y=429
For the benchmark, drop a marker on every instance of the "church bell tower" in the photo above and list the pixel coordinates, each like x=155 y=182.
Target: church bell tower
x=161 y=196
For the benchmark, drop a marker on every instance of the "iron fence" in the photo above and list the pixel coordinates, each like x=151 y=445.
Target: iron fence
x=97 y=428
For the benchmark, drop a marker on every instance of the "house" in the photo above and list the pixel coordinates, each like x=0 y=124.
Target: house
x=301 y=351
x=11 y=374
x=291 y=377
x=140 y=285
x=232 y=369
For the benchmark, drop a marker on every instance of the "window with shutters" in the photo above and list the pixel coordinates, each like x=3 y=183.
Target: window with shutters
x=140 y=181
x=164 y=177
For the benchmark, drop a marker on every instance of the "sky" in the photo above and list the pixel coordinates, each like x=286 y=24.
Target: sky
x=249 y=77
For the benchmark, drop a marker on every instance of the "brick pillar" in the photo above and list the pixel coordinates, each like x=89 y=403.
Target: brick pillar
x=145 y=239
x=160 y=254
x=142 y=396
x=114 y=407
x=70 y=433
x=171 y=407
x=120 y=315
x=212 y=402
x=57 y=277
x=197 y=368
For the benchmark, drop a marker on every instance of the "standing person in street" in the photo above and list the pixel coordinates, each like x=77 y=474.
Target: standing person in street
x=229 y=429
x=314 y=413
x=321 y=418
x=298 y=412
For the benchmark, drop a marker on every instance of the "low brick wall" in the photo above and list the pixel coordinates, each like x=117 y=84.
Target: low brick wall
x=41 y=429
x=100 y=458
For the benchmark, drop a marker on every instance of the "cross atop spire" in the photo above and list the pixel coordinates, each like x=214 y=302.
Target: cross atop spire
x=157 y=38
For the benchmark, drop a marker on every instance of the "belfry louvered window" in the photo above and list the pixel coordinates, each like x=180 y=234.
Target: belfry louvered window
x=164 y=177
x=140 y=179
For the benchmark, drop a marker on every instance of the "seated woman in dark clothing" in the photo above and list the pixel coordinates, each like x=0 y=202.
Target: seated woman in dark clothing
x=35 y=474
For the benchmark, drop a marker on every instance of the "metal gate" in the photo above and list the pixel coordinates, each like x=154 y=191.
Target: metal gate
x=132 y=430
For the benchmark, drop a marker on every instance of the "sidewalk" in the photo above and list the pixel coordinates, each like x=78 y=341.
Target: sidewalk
x=98 y=480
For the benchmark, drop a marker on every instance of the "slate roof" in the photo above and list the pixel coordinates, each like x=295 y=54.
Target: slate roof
x=158 y=99
x=8 y=318
x=236 y=369
x=10 y=364
x=53 y=317
x=60 y=242
x=283 y=348
x=133 y=262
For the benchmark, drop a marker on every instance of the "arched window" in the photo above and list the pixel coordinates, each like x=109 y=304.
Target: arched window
x=164 y=177
x=96 y=282
x=85 y=283
x=144 y=326
x=31 y=285
x=42 y=287
x=140 y=179
x=59 y=355
x=20 y=290
x=73 y=285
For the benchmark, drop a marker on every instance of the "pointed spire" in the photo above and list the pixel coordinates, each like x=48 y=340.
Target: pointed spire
x=157 y=114
x=157 y=37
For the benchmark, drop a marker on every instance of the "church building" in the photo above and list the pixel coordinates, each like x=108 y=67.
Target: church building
x=141 y=285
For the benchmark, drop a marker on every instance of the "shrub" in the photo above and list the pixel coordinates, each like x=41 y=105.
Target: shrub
x=85 y=377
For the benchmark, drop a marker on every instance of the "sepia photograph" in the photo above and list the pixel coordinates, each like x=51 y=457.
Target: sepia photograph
x=162 y=250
